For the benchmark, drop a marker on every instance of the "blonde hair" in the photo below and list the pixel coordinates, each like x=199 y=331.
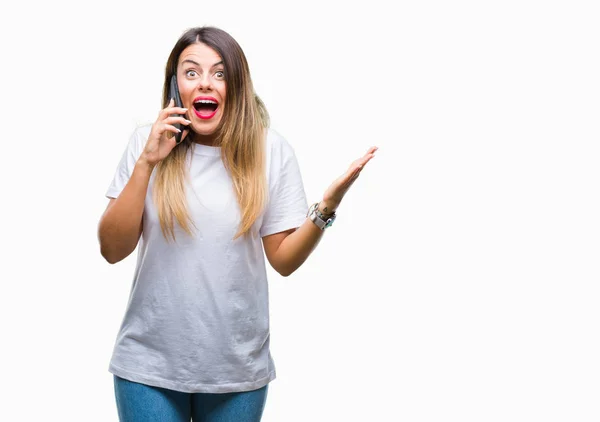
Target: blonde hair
x=240 y=134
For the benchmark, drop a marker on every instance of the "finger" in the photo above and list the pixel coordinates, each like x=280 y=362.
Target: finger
x=366 y=159
x=185 y=133
x=369 y=153
x=362 y=160
x=164 y=113
x=171 y=128
x=176 y=119
x=176 y=110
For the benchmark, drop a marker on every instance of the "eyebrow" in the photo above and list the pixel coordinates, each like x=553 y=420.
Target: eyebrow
x=197 y=64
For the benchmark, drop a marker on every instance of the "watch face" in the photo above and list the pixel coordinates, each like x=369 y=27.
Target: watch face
x=330 y=222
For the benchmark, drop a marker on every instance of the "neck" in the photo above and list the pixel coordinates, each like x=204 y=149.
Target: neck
x=208 y=140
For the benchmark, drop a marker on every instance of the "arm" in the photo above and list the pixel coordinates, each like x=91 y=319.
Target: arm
x=121 y=224
x=287 y=251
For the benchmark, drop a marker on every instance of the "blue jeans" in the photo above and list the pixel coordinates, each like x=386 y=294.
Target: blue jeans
x=143 y=403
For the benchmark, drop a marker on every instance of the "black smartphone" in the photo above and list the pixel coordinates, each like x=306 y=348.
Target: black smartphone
x=174 y=93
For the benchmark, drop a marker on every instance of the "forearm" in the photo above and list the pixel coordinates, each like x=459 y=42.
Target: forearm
x=119 y=229
x=297 y=246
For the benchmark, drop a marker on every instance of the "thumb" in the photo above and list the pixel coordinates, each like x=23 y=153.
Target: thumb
x=184 y=134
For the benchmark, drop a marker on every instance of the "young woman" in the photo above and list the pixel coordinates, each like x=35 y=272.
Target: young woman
x=194 y=341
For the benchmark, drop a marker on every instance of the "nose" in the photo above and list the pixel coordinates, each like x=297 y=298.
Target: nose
x=204 y=83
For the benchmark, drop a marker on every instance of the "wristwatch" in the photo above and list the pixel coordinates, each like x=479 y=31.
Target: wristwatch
x=322 y=221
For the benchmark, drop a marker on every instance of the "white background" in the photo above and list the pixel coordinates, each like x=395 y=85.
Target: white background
x=460 y=281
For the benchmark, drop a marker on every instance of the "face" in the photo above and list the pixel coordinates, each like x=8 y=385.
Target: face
x=201 y=82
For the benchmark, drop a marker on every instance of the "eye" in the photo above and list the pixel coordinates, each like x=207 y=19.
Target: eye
x=220 y=74
x=190 y=73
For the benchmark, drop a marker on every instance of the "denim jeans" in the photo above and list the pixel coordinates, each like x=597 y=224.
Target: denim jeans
x=143 y=403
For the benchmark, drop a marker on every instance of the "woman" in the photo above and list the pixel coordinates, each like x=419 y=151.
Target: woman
x=194 y=342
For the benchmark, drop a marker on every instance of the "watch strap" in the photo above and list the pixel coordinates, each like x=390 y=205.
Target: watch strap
x=321 y=221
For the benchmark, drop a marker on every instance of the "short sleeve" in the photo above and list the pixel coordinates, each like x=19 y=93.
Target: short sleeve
x=287 y=205
x=125 y=168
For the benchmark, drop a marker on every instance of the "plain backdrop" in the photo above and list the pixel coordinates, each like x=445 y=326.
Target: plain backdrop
x=460 y=280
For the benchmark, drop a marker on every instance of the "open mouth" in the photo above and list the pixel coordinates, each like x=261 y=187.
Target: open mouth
x=205 y=107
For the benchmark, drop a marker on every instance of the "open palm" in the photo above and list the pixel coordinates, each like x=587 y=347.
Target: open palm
x=334 y=194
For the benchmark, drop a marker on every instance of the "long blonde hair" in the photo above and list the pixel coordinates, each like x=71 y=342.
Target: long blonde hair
x=240 y=134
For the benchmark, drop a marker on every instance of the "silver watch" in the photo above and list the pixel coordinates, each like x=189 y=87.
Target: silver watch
x=319 y=219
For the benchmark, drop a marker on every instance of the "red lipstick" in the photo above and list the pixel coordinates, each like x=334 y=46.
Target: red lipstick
x=206 y=115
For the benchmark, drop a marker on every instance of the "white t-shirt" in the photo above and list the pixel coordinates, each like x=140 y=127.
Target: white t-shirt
x=197 y=319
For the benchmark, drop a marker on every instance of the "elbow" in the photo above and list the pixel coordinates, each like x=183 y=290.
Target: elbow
x=110 y=250
x=111 y=259
x=286 y=269
x=113 y=254
x=110 y=254
x=105 y=252
x=286 y=272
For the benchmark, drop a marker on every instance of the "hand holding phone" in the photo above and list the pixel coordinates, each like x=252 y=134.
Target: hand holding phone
x=159 y=145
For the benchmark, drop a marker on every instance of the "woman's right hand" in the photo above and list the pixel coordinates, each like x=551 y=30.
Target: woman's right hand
x=159 y=145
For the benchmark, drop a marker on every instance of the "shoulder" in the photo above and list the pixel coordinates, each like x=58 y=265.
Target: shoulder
x=282 y=162
x=138 y=138
x=141 y=132
x=277 y=145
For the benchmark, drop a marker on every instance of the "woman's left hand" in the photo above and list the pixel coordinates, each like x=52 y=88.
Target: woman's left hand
x=334 y=194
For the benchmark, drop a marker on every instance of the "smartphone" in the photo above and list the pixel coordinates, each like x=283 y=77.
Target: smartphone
x=174 y=93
